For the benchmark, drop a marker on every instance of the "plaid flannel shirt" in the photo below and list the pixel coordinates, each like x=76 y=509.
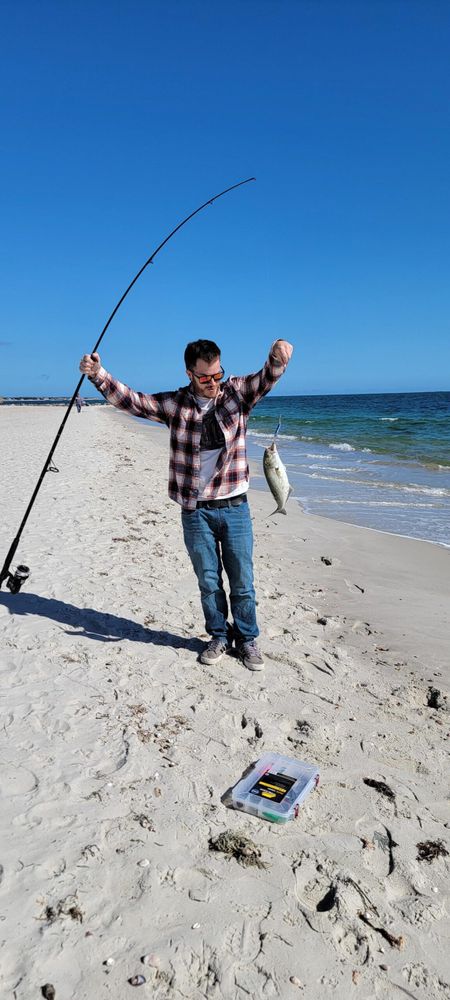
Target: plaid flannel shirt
x=179 y=411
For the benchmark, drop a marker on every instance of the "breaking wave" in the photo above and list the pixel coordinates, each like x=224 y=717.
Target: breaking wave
x=269 y=434
x=342 y=446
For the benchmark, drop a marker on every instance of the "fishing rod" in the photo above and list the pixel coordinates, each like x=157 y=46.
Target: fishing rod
x=14 y=581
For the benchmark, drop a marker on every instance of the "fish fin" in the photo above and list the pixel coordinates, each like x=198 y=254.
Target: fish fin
x=291 y=490
x=278 y=510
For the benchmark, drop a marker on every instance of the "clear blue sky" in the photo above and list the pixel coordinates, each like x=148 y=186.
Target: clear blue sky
x=120 y=118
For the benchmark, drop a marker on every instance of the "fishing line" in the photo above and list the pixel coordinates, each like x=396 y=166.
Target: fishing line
x=14 y=581
x=278 y=428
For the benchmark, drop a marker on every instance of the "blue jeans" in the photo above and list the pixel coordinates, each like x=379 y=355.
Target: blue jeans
x=222 y=539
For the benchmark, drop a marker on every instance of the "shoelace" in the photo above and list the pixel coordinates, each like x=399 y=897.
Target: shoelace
x=251 y=647
x=217 y=644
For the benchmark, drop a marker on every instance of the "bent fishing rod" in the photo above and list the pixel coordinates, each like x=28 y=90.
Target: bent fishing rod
x=14 y=581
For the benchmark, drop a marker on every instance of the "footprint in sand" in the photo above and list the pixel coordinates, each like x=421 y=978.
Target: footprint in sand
x=418 y=977
x=312 y=886
x=243 y=940
x=110 y=766
x=17 y=780
x=330 y=903
x=388 y=750
x=380 y=857
x=313 y=742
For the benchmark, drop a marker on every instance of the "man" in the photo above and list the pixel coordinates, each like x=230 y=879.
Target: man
x=209 y=478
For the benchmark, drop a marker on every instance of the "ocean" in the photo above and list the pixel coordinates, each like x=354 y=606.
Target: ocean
x=49 y=400
x=382 y=461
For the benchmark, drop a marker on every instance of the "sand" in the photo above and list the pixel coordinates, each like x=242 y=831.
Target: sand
x=116 y=745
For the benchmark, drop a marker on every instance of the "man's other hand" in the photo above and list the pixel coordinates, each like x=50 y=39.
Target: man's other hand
x=282 y=351
x=90 y=364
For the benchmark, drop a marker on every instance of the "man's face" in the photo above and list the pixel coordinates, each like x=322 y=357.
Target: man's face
x=201 y=368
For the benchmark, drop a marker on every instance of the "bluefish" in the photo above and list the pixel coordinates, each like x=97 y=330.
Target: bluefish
x=277 y=479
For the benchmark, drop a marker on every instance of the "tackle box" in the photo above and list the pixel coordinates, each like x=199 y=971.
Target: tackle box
x=274 y=787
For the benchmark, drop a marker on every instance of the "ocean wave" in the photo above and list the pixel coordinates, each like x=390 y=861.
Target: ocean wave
x=391 y=419
x=431 y=491
x=380 y=484
x=375 y=503
x=342 y=446
x=332 y=468
x=269 y=434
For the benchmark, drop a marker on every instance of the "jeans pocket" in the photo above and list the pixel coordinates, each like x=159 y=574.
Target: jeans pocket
x=190 y=523
x=187 y=513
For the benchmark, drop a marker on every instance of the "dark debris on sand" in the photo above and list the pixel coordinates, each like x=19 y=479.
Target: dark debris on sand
x=434 y=698
x=63 y=908
x=381 y=787
x=48 y=991
x=238 y=846
x=429 y=850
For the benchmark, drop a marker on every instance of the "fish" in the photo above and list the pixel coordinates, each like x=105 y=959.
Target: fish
x=277 y=478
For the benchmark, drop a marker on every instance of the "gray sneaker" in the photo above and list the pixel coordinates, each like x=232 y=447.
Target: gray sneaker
x=214 y=651
x=250 y=655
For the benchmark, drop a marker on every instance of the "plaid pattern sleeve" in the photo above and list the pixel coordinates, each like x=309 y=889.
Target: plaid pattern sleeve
x=158 y=407
x=252 y=388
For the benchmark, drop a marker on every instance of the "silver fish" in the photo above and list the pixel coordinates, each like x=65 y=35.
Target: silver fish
x=277 y=478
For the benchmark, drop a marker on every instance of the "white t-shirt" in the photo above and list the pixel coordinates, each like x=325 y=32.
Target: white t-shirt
x=209 y=458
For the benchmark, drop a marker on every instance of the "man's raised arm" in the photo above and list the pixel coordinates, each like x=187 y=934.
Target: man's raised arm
x=254 y=387
x=140 y=404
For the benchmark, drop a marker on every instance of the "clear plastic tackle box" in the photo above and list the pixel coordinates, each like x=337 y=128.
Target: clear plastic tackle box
x=274 y=787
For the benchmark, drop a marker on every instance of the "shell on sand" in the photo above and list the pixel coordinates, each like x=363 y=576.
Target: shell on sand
x=152 y=960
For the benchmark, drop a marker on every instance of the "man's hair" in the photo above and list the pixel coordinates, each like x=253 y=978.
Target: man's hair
x=207 y=350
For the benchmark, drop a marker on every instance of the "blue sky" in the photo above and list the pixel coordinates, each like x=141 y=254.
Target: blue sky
x=118 y=119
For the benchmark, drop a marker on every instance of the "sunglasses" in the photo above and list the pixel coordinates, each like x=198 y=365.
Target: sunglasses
x=207 y=378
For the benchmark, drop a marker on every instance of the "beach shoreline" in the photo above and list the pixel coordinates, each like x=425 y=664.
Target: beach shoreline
x=396 y=481
x=117 y=745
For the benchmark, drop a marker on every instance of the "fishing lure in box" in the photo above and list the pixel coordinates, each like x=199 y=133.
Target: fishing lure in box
x=274 y=787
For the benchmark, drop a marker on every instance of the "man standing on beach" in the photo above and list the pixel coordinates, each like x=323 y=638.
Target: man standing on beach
x=209 y=478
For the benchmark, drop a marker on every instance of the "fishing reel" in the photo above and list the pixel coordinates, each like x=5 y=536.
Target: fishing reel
x=16 y=580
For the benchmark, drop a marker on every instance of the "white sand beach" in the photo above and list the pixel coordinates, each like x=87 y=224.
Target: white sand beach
x=116 y=744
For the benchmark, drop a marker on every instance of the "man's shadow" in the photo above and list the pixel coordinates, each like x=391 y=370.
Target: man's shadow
x=93 y=624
